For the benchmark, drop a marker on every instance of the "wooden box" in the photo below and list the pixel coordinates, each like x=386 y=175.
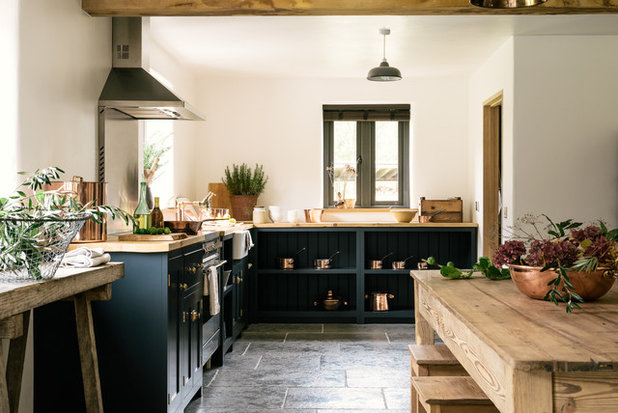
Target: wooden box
x=453 y=209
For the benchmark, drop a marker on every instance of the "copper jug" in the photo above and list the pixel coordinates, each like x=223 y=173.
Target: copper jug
x=379 y=301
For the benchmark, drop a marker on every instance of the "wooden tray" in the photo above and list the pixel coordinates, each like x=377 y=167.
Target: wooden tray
x=143 y=237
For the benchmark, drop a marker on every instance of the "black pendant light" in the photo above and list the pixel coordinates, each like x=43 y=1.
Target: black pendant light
x=506 y=4
x=384 y=72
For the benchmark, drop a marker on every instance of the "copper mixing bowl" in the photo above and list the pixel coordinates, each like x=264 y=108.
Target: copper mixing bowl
x=187 y=227
x=531 y=281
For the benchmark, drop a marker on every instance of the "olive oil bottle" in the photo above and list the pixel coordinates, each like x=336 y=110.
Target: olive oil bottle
x=142 y=212
x=156 y=215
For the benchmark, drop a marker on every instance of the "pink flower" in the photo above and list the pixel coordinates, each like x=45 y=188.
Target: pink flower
x=556 y=253
x=509 y=253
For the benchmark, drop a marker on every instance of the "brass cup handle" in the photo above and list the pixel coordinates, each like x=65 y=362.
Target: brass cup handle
x=195 y=315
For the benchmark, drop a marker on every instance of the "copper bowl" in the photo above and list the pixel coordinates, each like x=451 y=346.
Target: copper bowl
x=531 y=281
x=187 y=227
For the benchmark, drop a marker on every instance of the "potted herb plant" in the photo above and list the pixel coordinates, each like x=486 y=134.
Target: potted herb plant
x=244 y=186
x=36 y=226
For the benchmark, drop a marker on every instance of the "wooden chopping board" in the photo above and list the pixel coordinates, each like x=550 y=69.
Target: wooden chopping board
x=222 y=196
x=144 y=237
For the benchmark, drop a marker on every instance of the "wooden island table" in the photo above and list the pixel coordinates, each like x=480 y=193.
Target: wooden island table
x=17 y=299
x=527 y=355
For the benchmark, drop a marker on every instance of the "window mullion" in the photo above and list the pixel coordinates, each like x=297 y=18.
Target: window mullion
x=366 y=153
x=329 y=151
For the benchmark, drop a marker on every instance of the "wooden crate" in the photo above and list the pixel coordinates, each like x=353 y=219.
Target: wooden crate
x=453 y=209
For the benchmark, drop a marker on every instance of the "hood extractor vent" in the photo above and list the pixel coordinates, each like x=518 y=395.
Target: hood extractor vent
x=130 y=92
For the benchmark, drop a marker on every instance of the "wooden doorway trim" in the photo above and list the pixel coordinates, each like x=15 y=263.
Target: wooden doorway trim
x=491 y=172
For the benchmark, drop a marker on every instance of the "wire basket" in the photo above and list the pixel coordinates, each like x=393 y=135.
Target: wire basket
x=32 y=248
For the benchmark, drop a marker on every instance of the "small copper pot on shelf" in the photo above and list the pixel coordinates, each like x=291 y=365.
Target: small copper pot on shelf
x=331 y=302
x=378 y=264
x=289 y=263
x=323 y=263
x=378 y=301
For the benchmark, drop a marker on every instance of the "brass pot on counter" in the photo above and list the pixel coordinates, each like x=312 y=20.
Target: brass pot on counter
x=331 y=302
x=85 y=192
x=379 y=301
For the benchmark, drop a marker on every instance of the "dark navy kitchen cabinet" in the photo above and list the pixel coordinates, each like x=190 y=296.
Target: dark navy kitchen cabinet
x=149 y=339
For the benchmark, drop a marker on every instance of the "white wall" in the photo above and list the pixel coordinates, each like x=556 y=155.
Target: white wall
x=566 y=136
x=493 y=76
x=278 y=123
x=56 y=59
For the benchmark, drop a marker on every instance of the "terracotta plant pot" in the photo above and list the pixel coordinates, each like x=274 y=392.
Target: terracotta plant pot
x=533 y=283
x=242 y=206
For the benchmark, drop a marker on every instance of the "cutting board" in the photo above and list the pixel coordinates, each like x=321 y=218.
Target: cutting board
x=144 y=237
x=222 y=196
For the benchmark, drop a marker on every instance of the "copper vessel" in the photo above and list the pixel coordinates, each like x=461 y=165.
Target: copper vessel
x=85 y=192
x=323 y=263
x=288 y=263
x=330 y=303
x=531 y=281
x=378 y=264
x=379 y=301
x=401 y=265
x=187 y=227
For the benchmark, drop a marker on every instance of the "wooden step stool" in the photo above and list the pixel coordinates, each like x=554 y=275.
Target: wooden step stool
x=431 y=360
x=444 y=394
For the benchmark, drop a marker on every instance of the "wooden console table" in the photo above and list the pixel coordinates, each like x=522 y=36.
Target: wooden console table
x=527 y=355
x=17 y=300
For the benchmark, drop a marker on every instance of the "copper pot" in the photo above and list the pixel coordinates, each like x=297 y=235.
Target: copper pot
x=323 y=263
x=330 y=303
x=379 y=301
x=377 y=264
x=401 y=265
x=288 y=263
x=85 y=192
x=531 y=281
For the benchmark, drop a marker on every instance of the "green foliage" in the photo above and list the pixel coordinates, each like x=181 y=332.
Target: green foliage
x=484 y=266
x=562 y=290
x=154 y=150
x=31 y=223
x=242 y=180
x=559 y=230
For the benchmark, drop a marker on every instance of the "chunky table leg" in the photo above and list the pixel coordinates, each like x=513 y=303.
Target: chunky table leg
x=15 y=364
x=88 y=353
x=4 y=392
x=423 y=332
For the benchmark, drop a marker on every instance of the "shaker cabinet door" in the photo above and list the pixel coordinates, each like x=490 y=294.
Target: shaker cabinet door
x=174 y=375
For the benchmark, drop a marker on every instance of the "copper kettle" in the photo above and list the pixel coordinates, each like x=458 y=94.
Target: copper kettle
x=379 y=301
x=331 y=302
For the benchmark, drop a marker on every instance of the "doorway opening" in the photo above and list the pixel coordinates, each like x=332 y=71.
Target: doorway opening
x=492 y=174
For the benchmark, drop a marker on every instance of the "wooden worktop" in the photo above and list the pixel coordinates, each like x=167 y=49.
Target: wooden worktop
x=529 y=334
x=17 y=297
x=368 y=225
x=114 y=245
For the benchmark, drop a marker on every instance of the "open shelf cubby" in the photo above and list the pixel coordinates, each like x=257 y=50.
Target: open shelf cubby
x=400 y=285
x=318 y=244
x=297 y=292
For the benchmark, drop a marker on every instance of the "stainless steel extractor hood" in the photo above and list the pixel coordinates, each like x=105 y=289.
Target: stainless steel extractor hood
x=130 y=91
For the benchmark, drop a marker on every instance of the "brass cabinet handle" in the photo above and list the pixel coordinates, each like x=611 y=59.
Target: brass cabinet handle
x=195 y=315
x=183 y=286
x=184 y=317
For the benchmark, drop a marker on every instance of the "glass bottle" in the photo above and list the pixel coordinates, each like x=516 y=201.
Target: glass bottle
x=142 y=213
x=156 y=216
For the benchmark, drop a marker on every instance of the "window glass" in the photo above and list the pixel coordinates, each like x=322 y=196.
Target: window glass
x=159 y=143
x=386 y=161
x=344 y=160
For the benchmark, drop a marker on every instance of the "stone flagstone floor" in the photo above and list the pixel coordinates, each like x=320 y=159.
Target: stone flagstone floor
x=312 y=368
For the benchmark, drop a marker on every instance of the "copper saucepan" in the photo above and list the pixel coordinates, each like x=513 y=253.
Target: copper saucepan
x=288 y=263
x=379 y=301
x=378 y=264
x=401 y=265
x=423 y=219
x=323 y=263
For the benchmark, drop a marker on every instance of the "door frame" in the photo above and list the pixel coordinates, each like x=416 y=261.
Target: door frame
x=492 y=125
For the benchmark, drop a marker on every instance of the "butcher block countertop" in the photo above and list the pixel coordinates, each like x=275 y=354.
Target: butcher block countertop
x=369 y=225
x=114 y=245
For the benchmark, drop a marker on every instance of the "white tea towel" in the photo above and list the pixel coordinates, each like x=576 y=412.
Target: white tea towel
x=249 y=242
x=213 y=287
x=85 y=257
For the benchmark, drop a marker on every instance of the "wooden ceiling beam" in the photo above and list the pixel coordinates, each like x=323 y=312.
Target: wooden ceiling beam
x=329 y=7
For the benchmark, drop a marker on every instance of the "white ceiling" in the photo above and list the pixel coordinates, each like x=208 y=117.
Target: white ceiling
x=336 y=46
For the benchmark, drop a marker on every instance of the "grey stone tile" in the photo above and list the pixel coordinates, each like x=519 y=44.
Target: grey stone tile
x=299 y=347
x=334 y=398
x=237 y=361
x=397 y=398
x=405 y=337
x=196 y=407
x=241 y=399
x=285 y=328
x=362 y=360
x=370 y=347
x=395 y=378
x=261 y=337
x=279 y=378
x=339 y=337
x=286 y=362
x=360 y=411
x=372 y=328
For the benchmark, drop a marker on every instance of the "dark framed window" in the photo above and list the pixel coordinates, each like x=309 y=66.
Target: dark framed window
x=371 y=141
